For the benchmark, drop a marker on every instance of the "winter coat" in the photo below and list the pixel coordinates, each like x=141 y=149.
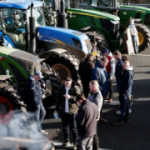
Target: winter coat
x=86 y=119
x=34 y=92
x=100 y=74
x=119 y=69
x=127 y=82
x=96 y=98
x=60 y=100
x=85 y=71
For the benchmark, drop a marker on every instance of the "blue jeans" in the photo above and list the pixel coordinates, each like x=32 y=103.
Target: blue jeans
x=135 y=44
x=118 y=81
x=125 y=105
x=39 y=113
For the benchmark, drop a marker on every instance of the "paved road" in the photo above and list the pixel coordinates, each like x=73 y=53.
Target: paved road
x=134 y=135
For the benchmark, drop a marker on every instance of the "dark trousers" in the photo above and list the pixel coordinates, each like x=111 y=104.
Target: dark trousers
x=96 y=141
x=86 y=89
x=110 y=89
x=124 y=100
x=68 y=120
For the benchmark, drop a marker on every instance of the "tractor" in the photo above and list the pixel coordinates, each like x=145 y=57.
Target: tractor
x=13 y=85
x=23 y=26
x=116 y=7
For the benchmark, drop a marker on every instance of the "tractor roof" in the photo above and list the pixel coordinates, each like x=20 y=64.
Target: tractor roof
x=142 y=9
x=20 y=4
x=62 y=32
x=93 y=13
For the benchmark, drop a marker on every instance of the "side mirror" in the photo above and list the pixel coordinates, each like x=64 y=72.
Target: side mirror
x=17 y=15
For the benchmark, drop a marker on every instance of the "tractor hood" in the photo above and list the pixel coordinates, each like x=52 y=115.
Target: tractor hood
x=26 y=60
x=60 y=36
x=93 y=13
x=141 y=9
x=20 y=4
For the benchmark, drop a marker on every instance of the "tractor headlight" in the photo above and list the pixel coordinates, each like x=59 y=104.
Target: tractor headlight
x=115 y=22
x=86 y=46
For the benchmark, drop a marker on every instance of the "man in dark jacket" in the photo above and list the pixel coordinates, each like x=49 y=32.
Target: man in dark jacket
x=86 y=123
x=66 y=103
x=95 y=97
x=100 y=75
x=85 y=72
x=125 y=91
x=34 y=95
x=118 y=69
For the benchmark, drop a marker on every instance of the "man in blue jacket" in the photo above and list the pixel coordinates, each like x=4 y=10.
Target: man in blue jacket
x=125 y=92
x=100 y=75
x=34 y=99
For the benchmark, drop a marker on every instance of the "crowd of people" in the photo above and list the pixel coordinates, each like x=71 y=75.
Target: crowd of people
x=81 y=110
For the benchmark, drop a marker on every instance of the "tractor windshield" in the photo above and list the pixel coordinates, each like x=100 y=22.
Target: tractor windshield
x=109 y=3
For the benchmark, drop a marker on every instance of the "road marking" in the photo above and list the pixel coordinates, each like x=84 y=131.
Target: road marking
x=139 y=55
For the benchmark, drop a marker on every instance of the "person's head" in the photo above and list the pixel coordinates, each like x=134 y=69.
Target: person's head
x=37 y=75
x=125 y=58
x=117 y=54
x=90 y=56
x=93 y=86
x=104 y=61
x=105 y=52
x=126 y=65
x=68 y=82
x=80 y=99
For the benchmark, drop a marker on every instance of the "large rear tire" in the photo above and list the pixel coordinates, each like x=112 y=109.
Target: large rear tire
x=144 y=36
x=10 y=103
x=65 y=65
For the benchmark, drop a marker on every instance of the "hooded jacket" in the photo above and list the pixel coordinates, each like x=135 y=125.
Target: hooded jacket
x=99 y=74
x=127 y=81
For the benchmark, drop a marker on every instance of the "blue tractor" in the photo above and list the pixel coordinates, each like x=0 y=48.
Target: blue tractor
x=23 y=26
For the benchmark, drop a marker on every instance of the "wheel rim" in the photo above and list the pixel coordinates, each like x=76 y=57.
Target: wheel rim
x=141 y=38
x=6 y=111
x=62 y=71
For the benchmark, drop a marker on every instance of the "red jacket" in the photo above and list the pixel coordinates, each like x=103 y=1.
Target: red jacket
x=111 y=60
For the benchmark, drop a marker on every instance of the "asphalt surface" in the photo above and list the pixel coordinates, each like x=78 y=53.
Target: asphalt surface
x=134 y=135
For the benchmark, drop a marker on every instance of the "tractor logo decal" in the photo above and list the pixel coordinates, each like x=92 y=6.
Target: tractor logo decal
x=50 y=39
x=86 y=14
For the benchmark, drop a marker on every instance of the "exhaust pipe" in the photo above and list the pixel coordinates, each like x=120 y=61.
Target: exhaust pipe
x=32 y=32
x=62 y=16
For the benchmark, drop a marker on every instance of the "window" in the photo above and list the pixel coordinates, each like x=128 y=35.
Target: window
x=19 y=77
x=77 y=43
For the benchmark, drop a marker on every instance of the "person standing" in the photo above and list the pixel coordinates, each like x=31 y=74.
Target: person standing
x=34 y=96
x=95 y=97
x=66 y=103
x=118 y=69
x=125 y=91
x=101 y=76
x=110 y=70
x=85 y=72
x=86 y=123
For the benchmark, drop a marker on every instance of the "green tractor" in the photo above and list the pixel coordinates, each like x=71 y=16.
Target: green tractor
x=124 y=12
x=15 y=69
x=23 y=26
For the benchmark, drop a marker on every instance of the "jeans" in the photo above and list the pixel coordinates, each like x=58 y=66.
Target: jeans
x=135 y=44
x=118 y=81
x=68 y=120
x=124 y=100
x=110 y=89
x=39 y=113
x=84 y=143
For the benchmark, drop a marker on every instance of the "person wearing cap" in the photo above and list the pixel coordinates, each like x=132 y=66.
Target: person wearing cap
x=110 y=70
x=34 y=99
x=66 y=103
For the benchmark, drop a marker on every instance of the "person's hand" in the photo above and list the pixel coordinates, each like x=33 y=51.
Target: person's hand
x=110 y=78
x=67 y=96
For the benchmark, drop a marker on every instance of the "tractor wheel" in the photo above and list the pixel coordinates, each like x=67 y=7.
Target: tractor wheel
x=65 y=65
x=101 y=41
x=10 y=103
x=144 y=36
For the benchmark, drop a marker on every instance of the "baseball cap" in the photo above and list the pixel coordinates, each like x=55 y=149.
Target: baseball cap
x=105 y=51
x=38 y=73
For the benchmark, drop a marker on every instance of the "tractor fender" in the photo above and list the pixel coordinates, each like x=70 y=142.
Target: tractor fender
x=57 y=51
